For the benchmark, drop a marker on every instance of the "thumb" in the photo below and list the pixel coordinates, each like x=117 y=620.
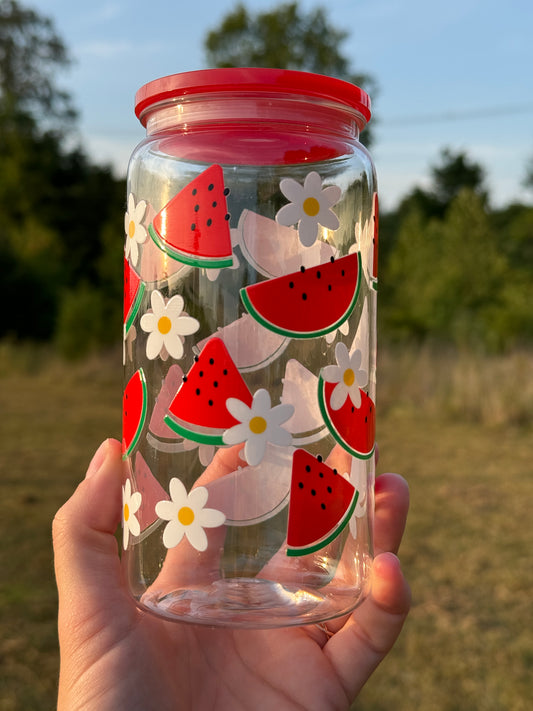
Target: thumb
x=87 y=565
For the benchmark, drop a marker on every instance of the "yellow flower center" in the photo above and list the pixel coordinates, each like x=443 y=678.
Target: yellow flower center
x=126 y=512
x=185 y=516
x=258 y=425
x=348 y=377
x=164 y=325
x=131 y=229
x=311 y=206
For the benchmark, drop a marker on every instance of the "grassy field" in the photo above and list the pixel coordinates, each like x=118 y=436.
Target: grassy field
x=460 y=430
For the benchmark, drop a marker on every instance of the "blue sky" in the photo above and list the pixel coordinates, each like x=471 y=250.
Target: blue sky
x=456 y=73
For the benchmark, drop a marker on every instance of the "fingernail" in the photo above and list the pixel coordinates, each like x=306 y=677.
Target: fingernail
x=97 y=460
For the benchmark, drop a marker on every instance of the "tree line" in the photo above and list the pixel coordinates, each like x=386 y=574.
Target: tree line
x=452 y=268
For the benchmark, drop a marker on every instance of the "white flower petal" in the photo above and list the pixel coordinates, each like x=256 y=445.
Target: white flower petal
x=134 y=251
x=148 y=322
x=173 y=345
x=186 y=325
x=166 y=510
x=238 y=409
x=196 y=537
x=236 y=434
x=332 y=373
x=135 y=502
x=328 y=219
x=342 y=356
x=125 y=536
x=280 y=436
x=154 y=344
x=139 y=210
x=198 y=498
x=355 y=395
x=289 y=214
x=158 y=303
x=175 y=305
x=211 y=518
x=332 y=194
x=254 y=449
x=280 y=414
x=307 y=230
x=178 y=492
x=173 y=533
x=134 y=526
x=261 y=402
x=292 y=190
x=338 y=396
x=313 y=183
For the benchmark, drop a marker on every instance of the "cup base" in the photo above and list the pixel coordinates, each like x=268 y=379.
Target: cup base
x=251 y=603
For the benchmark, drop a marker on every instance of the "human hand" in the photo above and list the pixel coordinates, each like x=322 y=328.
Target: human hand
x=115 y=656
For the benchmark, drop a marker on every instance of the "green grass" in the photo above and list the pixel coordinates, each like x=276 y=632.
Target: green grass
x=467 y=645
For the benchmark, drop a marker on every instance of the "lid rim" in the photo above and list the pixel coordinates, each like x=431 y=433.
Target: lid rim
x=284 y=81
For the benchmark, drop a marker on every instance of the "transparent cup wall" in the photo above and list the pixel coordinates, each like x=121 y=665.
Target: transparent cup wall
x=249 y=447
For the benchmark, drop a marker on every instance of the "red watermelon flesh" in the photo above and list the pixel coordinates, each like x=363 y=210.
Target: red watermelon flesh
x=198 y=411
x=193 y=227
x=134 y=407
x=133 y=293
x=321 y=504
x=354 y=428
x=307 y=303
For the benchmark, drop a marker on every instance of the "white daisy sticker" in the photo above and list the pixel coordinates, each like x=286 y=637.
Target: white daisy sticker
x=131 y=503
x=135 y=231
x=258 y=424
x=348 y=376
x=166 y=325
x=187 y=516
x=309 y=207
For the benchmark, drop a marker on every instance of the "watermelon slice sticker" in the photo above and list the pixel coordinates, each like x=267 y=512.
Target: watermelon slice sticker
x=198 y=411
x=321 y=504
x=253 y=494
x=134 y=290
x=193 y=227
x=250 y=345
x=134 y=408
x=353 y=427
x=307 y=303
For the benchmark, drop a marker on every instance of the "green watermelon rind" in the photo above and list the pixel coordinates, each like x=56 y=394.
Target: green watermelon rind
x=329 y=537
x=333 y=430
x=187 y=432
x=304 y=334
x=134 y=308
x=142 y=418
x=189 y=259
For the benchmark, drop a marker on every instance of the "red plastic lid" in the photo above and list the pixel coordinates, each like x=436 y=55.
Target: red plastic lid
x=284 y=81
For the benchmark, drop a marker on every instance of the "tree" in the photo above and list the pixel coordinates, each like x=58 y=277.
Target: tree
x=285 y=38
x=31 y=53
x=454 y=173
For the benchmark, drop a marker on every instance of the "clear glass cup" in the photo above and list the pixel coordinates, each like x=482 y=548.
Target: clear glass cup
x=249 y=349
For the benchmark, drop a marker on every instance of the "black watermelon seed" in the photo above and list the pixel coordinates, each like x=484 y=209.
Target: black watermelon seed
x=196 y=359
x=353 y=409
x=302 y=269
x=304 y=297
x=210 y=403
x=226 y=191
x=209 y=222
x=332 y=259
x=215 y=384
x=329 y=287
x=214 y=204
x=201 y=374
x=366 y=420
x=307 y=468
x=330 y=490
x=313 y=492
x=319 y=457
x=196 y=208
x=197 y=391
x=194 y=191
x=184 y=378
x=318 y=275
x=323 y=507
x=342 y=272
x=211 y=361
x=291 y=285
x=193 y=227
x=210 y=187
x=225 y=371
x=300 y=485
x=321 y=475
x=335 y=472
x=227 y=216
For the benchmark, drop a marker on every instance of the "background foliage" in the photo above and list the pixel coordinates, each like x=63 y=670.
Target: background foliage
x=453 y=269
